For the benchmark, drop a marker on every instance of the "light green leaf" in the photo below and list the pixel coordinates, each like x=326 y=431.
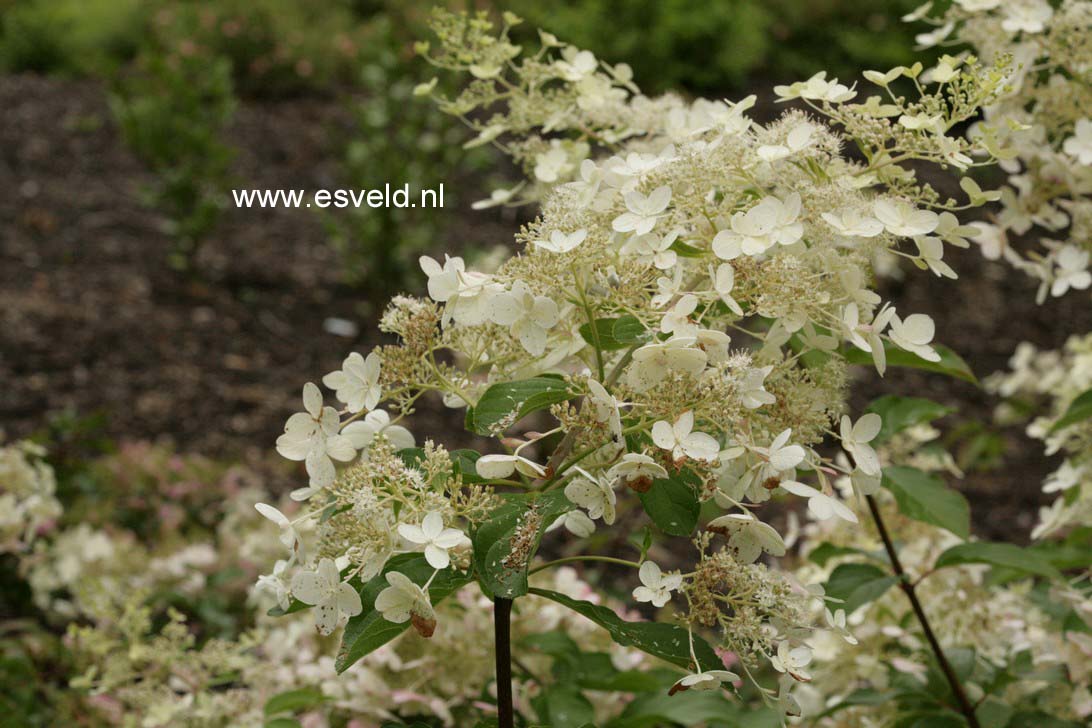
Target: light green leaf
x=672 y=503
x=368 y=630
x=858 y=584
x=1078 y=410
x=901 y=413
x=614 y=333
x=1006 y=555
x=926 y=498
x=293 y=701
x=493 y=540
x=504 y=403
x=950 y=363
x=669 y=642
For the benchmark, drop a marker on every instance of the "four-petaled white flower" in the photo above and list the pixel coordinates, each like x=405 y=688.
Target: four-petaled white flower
x=816 y=88
x=752 y=388
x=642 y=211
x=443 y=281
x=1026 y=16
x=931 y=250
x=501 y=466
x=332 y=597
x=357 y=382
x=652 y=363
x=780 y=455
x=708 y=680
x=914 y=334
x=606 y=410
x=748 y=537
x=528 y=316
x=403 y=601
x=677 y=320
x=560 y=242
x=1079 y=145
x=575 y=522
x=312 y=436
x=792 y=661
x=867 y=336
x=593 y=494
x=821 y=505
x=434 y=537
x=679 y=439
x=837 y=623
x=289 y=537
x=903 y=219
x=656 y=587
x=770 y=222
x=853 y=223
x=653 y=248
x=1072 y=271
x=637 y=471
x=855 y=439
x=798 y=139
x=724 y=280
x=376 y=423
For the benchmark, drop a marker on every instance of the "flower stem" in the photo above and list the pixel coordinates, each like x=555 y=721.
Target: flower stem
x=502 y=618
x=907 y=587
x=590 y=557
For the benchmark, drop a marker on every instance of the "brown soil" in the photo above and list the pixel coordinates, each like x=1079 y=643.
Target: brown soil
x=92 y=319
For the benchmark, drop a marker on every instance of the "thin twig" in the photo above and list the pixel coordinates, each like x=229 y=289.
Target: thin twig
x=907 y=587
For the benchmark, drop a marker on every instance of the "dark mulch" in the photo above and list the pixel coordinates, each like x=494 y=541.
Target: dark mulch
x=93 y=320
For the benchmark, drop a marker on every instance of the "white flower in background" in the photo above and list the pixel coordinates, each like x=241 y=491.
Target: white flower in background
x=978 y=5
x=853 y=223
x=560 y=242
x=1064 y=478
x=709 y=680
x=822 y=506
x=1026 y=16
x=497 y=198
x=652 y=363
x=855 y=439
x=913 y=334
x=781 y=455
x=792 y=661
x=575 y=522
x=935 y=37
x=752 y=388
x=377 y=423
x=577 y=64
x=324 y=589
x=677 y=320
x=770 y=222
x=528 y=316
x=289 y=537
x=837 y=623
x=434 y=537
x=903 y=219
x=748 y=537
x=403 y=601
x=357 y=382
x=932 y=250
x=492 y=467
x=593 y=494
x=642 y=211
x=312 y=436
x=1072 y=271
x=1079 y=146
x=553 y=164
x=816 y=88
x=653 y=248
x=275 y=585
x=992 y=240
x=724 y=280
x=636 y=471
x=680 y=440
x=656 y=587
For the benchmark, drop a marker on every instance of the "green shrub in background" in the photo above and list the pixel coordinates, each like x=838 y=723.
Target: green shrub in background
x=76 y=37
x=172 y=110
x=722 y=46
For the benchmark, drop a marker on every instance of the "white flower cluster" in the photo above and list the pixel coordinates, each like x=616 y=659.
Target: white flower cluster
x=27 y=495
x=1047 y=125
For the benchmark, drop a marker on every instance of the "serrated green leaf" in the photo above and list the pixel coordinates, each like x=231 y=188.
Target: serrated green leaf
x=493 y=540
x=614 y=333
x=368 y=630
x=1078 y=410
x=950 y=363
x=858 y=584
x=926 y=498
x=1006 y=555
x=901 y=413
x=505 y=403
x=669 y=642
x=672 y=503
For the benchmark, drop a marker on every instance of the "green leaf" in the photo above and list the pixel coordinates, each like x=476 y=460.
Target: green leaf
x=926 y=498
x=504 y=403
x=862 y=696
x=669 y=642
x=493 y=540
x=566 y=705
x=992 y=712
x=293 y=701
x=368 y=630
x=614 y=333
x=826 y=551
x=901 y=413
x=1078 y=410
x=672 y=503
x=1006 y=555
x=858 y=584
x=950 y=363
